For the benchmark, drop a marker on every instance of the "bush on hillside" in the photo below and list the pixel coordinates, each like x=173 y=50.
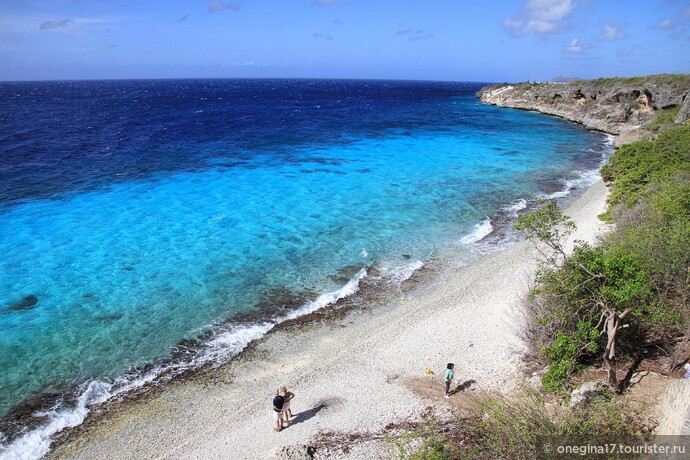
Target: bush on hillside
x=597 y=300
x=664 y=119
x=634 y=288
x=635 y=166
x=682 y=80
x=501 y=427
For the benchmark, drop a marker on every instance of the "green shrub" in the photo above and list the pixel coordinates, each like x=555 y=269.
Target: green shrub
x=665 y=118
x=565 y=352
x=635 y=166
x=427 y=440
x=603 y=298
x=590 y=283
x=656 y=232
x=508 y=428
x=436 y=448
x=660 y=79
x=642 y=266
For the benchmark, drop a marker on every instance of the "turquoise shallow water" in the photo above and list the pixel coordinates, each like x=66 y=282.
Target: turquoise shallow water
x=122 y=271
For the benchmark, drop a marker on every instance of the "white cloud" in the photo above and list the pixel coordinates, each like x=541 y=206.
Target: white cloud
x=56 y=24
x=319 y=36
x=219 y=5
x=540 y=17
x=664 y=24
x=414 y=35
x=574 y=46
x=611 y=32
x=64 y=24
x=90 y=21
x=549 y=10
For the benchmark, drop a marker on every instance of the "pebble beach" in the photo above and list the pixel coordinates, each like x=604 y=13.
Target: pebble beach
x=351 y=375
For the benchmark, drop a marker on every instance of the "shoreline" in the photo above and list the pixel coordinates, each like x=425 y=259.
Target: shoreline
x=353 y=373
x=367 y=290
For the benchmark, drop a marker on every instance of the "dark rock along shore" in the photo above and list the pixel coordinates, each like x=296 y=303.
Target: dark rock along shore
x=621 y=106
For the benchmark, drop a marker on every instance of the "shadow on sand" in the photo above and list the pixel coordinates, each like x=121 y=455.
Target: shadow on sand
x=307 y=414
x=463 y=386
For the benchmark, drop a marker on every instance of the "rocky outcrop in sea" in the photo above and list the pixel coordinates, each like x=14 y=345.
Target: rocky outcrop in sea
x=626 y=107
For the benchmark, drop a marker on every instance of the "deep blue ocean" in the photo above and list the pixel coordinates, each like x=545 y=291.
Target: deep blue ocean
x=137 y=216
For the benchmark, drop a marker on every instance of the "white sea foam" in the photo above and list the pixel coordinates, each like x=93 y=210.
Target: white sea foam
x=36 y=443
x=481 y=230
x=516 y=206
x=585 y=179
x=220 y=348
x=397 y=275
x=328 y=298
x=229 y=343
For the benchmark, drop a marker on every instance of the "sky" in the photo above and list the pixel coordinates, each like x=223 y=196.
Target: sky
x=447 y=40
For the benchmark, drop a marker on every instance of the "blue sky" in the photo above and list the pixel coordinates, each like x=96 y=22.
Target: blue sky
x=457 y=40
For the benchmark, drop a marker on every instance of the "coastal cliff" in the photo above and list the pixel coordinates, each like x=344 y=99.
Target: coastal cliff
x=626 y=107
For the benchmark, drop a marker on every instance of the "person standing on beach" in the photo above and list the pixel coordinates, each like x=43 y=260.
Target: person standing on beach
x=278 y=402
x=448 y=378
x=287 y=397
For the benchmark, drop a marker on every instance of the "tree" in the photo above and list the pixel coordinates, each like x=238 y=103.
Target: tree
x=548 y=225
x=595 y=285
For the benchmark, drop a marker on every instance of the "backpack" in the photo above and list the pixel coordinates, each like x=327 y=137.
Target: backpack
x=278 y=402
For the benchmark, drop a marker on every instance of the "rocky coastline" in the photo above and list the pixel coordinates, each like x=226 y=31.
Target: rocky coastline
x=625 y=107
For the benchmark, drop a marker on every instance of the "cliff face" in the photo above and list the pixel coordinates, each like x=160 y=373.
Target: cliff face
x=618 y=106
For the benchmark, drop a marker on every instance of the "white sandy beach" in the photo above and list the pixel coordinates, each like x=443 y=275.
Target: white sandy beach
x=355 y=374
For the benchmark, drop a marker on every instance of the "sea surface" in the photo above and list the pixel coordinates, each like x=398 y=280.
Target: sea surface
x=151 y=227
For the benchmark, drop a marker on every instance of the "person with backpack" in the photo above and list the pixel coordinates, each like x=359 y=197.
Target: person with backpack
x=278 y=402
